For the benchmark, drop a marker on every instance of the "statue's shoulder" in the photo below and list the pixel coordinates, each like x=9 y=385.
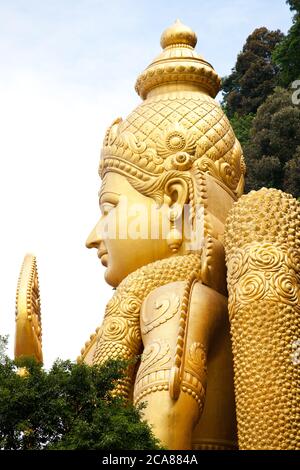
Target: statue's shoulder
x=176 y=302
x=168 y=291
x=191 y=290
x=171 y=296
x=163 y=304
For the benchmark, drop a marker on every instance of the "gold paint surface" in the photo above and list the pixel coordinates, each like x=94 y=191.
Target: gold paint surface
x=262 y=241
x=28 y=337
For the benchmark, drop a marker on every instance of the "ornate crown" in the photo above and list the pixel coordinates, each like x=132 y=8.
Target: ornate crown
x=179 y=124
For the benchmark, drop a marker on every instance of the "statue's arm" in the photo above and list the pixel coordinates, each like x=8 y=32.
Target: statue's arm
x=179 y=322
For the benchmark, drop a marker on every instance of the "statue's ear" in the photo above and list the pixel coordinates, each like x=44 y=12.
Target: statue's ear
x=175 y=196
x=176 y=192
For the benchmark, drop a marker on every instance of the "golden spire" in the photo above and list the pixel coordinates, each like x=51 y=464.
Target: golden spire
x=178 y=63
x=178 y=34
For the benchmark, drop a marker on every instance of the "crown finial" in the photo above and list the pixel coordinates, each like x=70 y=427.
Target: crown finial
x=178 y=64
x=176 y=34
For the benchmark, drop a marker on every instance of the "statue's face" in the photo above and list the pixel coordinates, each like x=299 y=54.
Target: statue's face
x=129 y=232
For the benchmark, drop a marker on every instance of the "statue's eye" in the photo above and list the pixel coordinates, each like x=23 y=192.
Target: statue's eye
x=106 y=207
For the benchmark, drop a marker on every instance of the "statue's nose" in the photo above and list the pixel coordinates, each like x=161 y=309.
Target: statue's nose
x=93 y=239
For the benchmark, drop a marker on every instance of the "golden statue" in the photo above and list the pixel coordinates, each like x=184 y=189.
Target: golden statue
x=175 y=151
x=172 y=179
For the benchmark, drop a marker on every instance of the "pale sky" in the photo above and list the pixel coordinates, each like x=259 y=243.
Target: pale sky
x=68 y=69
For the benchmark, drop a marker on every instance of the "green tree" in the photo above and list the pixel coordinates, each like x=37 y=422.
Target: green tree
x=254 y=76
x=287 y=53
x=292 y=174
x=294 y=5
x=3 y=347
x=68 y=407
x=273 y=151
x=242 y=127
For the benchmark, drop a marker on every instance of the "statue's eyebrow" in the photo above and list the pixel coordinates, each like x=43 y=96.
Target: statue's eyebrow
x=111 y=194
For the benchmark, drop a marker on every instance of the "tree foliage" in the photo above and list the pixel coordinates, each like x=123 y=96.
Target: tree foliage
x=242 y=126
x=291 y=181
x=294 y=6
x=272 y=153
x=264 y=117
x=287 y=53
x=255 y=74
x=69 y=407
x=3 y=347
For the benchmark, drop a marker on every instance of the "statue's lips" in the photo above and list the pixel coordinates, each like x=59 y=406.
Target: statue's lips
x=103 y=256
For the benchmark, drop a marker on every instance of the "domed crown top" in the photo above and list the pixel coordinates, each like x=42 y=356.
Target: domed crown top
x=178 y=64
x=177 y=34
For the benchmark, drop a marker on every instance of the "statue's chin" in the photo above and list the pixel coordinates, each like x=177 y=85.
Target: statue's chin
x=111 y=278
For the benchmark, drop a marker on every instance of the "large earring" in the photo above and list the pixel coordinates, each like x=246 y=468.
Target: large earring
x=174 y=238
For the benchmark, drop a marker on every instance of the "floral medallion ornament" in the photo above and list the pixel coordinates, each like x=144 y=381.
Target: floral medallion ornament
x=114 y=329
x=266 y=257
x=175 y=139
x=237 y=265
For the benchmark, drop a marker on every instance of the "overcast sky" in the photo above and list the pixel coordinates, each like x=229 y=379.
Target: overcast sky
x=68 y=68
